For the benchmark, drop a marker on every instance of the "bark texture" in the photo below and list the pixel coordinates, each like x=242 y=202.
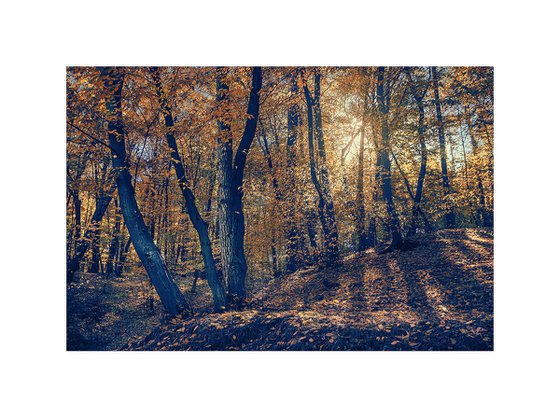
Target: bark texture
x=230 y=184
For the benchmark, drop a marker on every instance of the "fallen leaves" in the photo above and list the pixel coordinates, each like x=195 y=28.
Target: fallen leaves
x=413 y=300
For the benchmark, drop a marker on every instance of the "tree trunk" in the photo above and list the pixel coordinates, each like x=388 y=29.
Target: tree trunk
x=383 y=172
x=416 y=210
x=449 y=211
x=325 y=206
x=230 y=185
x=200 y=225
x=170 y=295
x=331 y=236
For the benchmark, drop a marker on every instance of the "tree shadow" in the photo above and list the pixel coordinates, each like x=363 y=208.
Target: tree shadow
x=456 y=274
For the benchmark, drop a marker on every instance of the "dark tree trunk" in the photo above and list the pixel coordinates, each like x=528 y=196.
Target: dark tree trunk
x=200 y=225
x=325 y=205
x=449 y=210
x=416 y=210
x=383 y=172
x=230 y=185
x=170 y=295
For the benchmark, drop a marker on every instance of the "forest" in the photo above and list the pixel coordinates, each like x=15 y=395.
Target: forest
x=279 y=208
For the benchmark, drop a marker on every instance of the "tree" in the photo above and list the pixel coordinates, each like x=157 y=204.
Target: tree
x=170 y=295
x=383 y=172
x=449 y=211
x=418 y=94
x=230 y=183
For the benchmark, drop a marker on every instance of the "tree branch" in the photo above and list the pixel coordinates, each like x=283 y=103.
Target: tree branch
x=250 y=126
x=91 y=136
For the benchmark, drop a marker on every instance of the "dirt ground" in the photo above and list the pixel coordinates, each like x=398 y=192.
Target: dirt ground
x=437 y=295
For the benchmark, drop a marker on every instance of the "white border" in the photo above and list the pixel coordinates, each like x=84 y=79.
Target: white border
x=41 y=38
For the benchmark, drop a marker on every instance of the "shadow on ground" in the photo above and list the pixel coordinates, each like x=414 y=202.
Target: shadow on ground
x=438 y=296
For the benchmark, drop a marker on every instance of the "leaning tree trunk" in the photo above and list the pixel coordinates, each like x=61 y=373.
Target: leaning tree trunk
x=383 y=172
x=230 y=181
x=170 y=295
x=449 y=211
x=200 y=225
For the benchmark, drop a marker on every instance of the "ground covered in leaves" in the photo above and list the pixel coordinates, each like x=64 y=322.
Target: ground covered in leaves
x=435 y=296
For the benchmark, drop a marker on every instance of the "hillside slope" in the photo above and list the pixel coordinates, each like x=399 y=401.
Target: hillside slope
x=437 y=296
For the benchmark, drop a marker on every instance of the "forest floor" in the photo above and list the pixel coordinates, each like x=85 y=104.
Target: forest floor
x=436 y=296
